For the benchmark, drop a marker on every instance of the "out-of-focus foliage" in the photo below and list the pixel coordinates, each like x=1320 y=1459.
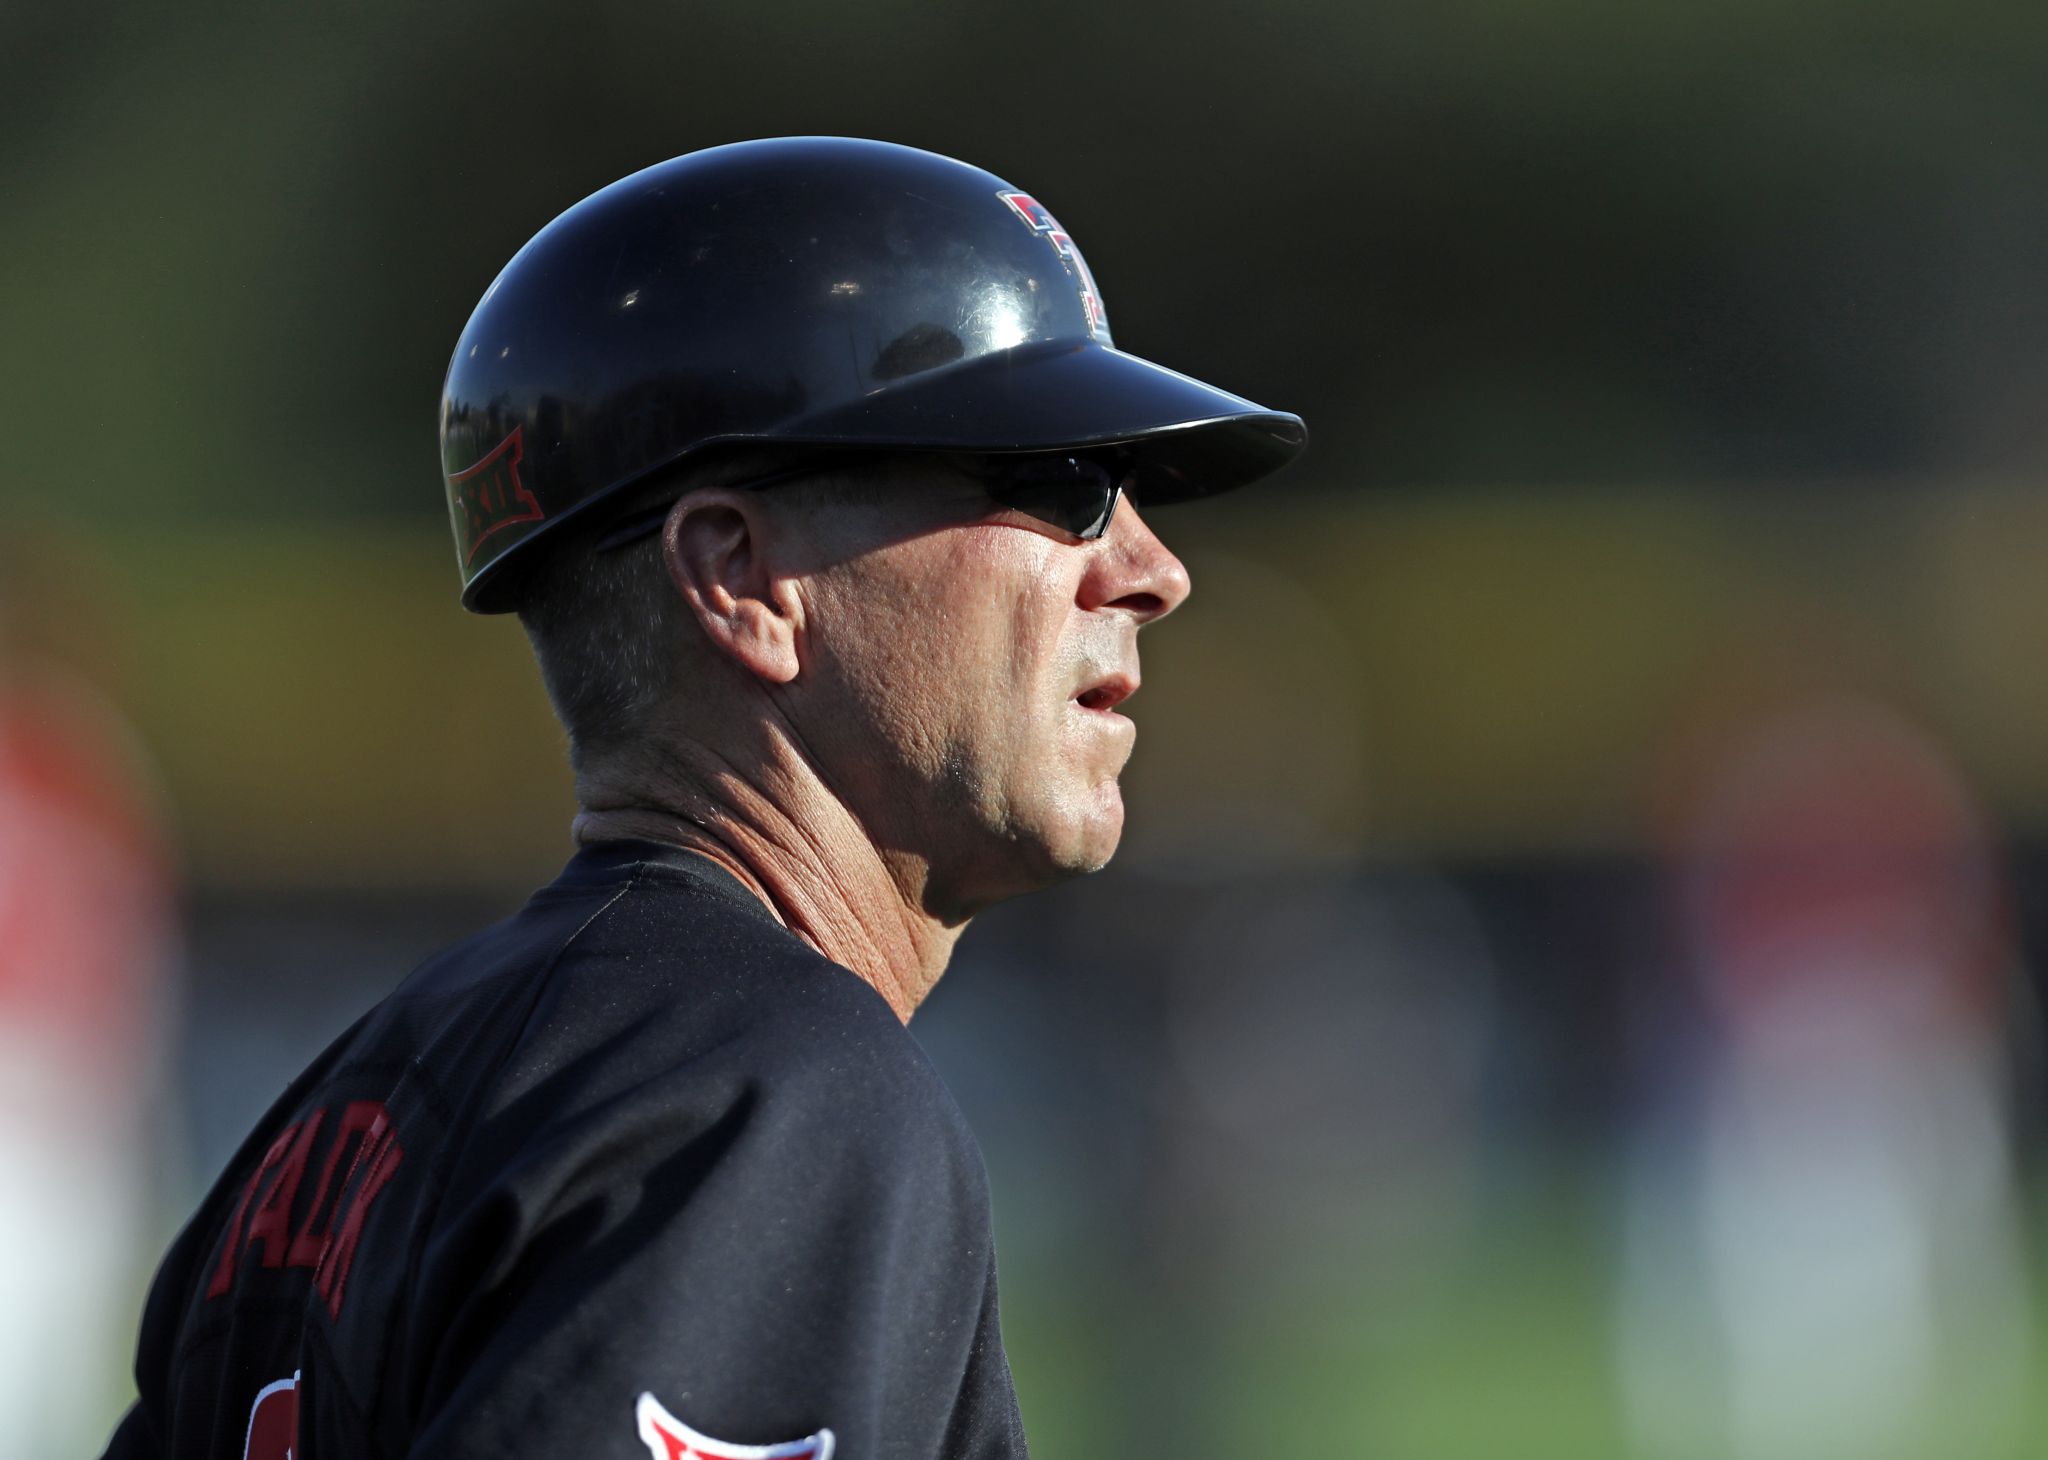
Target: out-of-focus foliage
x=1455 y=674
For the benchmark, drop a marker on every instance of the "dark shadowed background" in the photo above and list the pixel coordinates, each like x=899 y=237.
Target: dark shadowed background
x=1571 y=986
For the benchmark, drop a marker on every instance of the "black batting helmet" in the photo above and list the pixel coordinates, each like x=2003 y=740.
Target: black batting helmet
x=809 y=292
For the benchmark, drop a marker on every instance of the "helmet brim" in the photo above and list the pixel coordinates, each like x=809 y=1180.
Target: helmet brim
x=1069 y=396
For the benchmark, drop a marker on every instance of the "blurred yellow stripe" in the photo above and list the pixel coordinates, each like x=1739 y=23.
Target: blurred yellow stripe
x=1452 y=674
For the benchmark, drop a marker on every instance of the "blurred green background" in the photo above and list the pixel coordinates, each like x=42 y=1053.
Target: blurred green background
x=1571 y=984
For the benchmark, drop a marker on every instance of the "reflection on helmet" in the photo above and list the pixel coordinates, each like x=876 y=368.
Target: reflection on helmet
x=809 y=291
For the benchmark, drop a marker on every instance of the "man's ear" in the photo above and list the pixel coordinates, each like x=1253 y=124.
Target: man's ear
x=715 y=545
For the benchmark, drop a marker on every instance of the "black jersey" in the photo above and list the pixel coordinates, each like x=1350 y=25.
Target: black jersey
x=635 y=1172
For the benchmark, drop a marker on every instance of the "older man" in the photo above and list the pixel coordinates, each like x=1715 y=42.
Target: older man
x=814 y=477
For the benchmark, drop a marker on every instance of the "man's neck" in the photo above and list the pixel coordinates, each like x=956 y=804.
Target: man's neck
x=801 y=852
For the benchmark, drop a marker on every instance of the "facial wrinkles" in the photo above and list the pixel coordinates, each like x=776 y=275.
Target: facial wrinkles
x=1040 y=772
x=961 y=650
x=1092 y=807
x=1023 y=688
x=1002 y=630
x=891 y=634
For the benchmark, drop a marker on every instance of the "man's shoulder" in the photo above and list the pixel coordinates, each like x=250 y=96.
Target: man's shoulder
x=682 y=964
x=632 y=935
x=679 y=1004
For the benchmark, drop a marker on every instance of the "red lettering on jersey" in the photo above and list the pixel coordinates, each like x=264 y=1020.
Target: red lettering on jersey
x=491 y=496
x=274 y=1422
x=224 y=1273
x=326 y=1239
x=668 y=1438
x=314 y=1234
x=377 y=1157
x=272 y=1223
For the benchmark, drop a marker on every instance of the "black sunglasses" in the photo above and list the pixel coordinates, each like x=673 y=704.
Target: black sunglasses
x=1076 y=492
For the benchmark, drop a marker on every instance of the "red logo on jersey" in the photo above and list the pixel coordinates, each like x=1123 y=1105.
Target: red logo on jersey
x=1033 y=212
x=274 y=1422
x=668 y=1438
x=489 y=497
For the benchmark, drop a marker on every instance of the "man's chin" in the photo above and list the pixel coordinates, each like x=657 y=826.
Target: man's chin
x=1059 y=849
x=1092 y=836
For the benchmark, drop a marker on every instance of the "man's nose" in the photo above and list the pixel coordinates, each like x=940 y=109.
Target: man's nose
x=1132 y=570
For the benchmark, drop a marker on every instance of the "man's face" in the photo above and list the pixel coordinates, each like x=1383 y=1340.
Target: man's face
x=964 y=664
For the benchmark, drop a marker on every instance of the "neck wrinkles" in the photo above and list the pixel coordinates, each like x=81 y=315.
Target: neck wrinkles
x=800 y=851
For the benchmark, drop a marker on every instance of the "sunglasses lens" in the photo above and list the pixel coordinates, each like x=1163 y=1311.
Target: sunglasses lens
x=1073 y=493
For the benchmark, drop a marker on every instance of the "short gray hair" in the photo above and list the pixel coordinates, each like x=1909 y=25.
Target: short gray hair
x=603 y=626
x=607 y=626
